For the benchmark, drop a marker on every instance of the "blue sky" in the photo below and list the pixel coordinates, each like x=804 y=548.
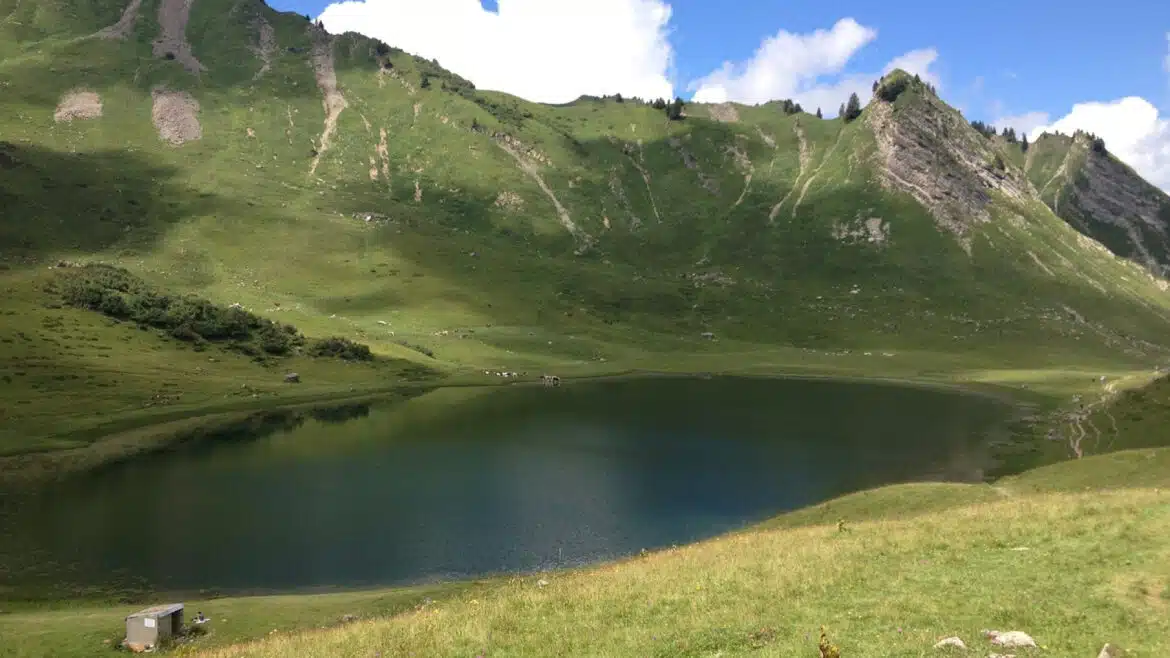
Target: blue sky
x=1032 y=63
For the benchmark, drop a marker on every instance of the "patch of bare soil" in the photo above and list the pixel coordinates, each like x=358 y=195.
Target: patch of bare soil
x=509 y=200
x=805 y=157
x=332 y=99
x=529 y=167
x=724 y=112
x=172 y=39
x=175 y=116
x=265 y=46
x=78 y=104
x=639 y=163
x=383 y=151
x=125 y=25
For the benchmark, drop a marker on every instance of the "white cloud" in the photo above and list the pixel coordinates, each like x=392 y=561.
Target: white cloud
x=543 y=50
x=1023 y=124
x=795 y=66
x=1132 y=130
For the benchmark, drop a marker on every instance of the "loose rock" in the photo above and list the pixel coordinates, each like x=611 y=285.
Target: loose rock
x=1111 y=651
x=950 y=642
x=1011 y=639
x=292 y=378
x=78 y=104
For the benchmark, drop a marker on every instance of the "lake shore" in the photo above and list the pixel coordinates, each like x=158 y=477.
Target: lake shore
x=134 y=432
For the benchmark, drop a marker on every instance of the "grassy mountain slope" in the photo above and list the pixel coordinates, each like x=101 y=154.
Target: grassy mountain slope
x=1103 y=198
x=351 y=189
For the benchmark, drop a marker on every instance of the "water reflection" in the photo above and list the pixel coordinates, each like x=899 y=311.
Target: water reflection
x=470 y=481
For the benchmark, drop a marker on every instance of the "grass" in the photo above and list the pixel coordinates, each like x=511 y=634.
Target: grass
x=889 y=572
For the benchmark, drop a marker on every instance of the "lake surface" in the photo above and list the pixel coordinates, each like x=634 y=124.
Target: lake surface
x=466 y=482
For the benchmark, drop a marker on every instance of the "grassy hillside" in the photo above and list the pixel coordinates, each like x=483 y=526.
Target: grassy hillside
x=1035 y=553
x=349 y=189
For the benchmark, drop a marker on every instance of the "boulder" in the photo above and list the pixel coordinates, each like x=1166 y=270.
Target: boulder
x=292 y=378
x=950 y=642
x=1011 y=639
x=1111 y=651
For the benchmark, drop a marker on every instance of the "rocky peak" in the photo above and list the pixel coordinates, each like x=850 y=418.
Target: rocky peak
x=928 y=150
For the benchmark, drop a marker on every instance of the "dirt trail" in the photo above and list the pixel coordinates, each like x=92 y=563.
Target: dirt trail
x=805 y=156
x=78 y=104
x=265 y=46
x=332 y=99
x=172 y=39
x=528 y=168
x=809 y=182
x=1079 y=418
x=125 y=25
x=175 y=116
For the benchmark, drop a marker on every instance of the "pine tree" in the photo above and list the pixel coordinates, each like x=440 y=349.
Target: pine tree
x=841 y=111
x=852 y=108
x=819 y=113
x=1024 y=141
x=674 y=112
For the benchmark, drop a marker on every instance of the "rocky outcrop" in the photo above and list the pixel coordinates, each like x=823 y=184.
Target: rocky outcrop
x=930 y=152
x=1105 y=199
x=172 y=39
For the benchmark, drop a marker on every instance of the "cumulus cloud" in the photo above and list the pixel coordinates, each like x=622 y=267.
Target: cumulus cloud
x=1023 y=124
x=807 y=68
x=544 y=50
x=1132 y=130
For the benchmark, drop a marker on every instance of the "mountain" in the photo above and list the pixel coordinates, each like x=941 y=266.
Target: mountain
x=222 y=149
x=1102 y=197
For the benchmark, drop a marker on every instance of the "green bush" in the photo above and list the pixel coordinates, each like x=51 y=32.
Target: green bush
x=341 y=348
x=892 y=87
x=116 y=293
x=418 y=348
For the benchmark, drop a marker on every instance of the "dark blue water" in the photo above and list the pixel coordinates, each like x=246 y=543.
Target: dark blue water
x=466 y=482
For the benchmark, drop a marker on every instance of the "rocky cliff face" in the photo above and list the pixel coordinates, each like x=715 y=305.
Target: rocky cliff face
x=1106 y=200
x=928 y=150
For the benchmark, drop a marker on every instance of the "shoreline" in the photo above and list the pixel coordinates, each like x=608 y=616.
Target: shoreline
x=141 y=436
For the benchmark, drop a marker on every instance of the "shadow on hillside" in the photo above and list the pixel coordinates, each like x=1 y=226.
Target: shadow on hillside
x=56 y=202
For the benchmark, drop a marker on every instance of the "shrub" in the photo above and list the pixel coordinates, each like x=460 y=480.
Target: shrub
x=418 y=348
x=341 y=348
x=892 y=87
x=116 y=293
x=279 y=339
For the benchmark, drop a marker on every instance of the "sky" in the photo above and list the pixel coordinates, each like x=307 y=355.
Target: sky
x=1035 y=66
